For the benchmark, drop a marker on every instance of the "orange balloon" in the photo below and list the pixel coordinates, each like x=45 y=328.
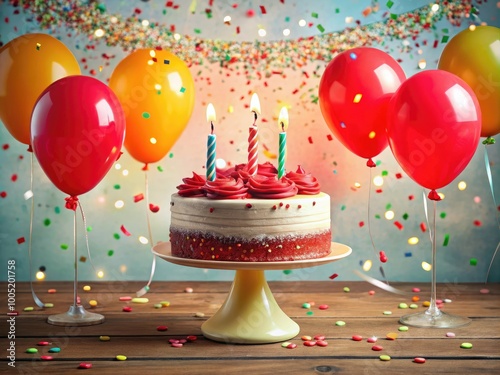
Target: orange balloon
x=156 y=91
x=473 y=55
x=28 y=65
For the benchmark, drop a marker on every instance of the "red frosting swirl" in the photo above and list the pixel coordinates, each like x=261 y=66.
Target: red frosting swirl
x=225 y=188
x=241 y=171
x=306 y=182
x=270 y=187
x=192 y=186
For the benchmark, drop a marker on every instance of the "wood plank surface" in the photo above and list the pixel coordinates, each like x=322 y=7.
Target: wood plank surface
x=135 y=335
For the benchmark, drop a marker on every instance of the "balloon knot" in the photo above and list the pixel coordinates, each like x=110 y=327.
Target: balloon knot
x=71 y=203
x=370 y=163
x=434 y=196
x=489 y=141
x=30 y=149
x=146 y=167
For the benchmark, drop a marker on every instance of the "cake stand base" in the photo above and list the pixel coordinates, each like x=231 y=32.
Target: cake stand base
x=250 y=314
x=76 y=316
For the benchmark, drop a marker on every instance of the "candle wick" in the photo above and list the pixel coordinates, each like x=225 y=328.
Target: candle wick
x=282 y=126
x=254 y=117
x=211 y=127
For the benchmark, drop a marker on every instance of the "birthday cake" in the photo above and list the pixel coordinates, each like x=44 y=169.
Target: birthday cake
x=251 y=218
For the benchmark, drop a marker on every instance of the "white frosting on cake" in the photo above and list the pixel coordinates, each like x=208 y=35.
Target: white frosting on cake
x=250 y=218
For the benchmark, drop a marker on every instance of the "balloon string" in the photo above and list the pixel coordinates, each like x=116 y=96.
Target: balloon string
x=370 y=228
x=427 y=215
x=145 y=289
x=35 y=297
x=490 y=181
x=86 y=236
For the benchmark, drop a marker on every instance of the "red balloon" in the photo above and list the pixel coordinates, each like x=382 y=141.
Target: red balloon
x=77 y=132
x=434 y=125
x=354 y=93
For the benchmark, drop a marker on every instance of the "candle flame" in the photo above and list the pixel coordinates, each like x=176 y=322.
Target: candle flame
x=283 y=119
x=210 y=112
x=255 y=104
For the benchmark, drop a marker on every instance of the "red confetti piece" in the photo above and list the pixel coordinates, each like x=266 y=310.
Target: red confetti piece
x=237 y=29
x=399 y=175
x=378 y=191
x=398 y=225
x=3 y=194
x=162 y=328
x=334 y=276
x=477 y=223
x=361 y=224
x=383 y=257
x=263 y=9
x=21 y=240
x=125 y=231
x=329 y=137
x=14 y=178
x=357 y=338
x=5 y=146
x=310 y=140
x=169 y=4
x=411 y=197
x=138 y=197
x=85 y=365
x=323 y=307
x=154 y=208
x=423 y=227
x=127 y=309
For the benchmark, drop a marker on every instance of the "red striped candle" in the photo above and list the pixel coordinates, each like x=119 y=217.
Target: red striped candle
x=253 y=137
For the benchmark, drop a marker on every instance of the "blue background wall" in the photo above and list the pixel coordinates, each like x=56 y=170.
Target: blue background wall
x=469 y=217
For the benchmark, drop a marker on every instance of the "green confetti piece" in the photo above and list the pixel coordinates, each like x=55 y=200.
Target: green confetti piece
x=405 y=216
x=287 y=272
x=146 y=115
x=388 y=206
x=171 y=155
x=445 y=31
x=314 y=15
x=342 y=208
x=394 y=16
x=46 y=222
x=160 y=168
x=337 y=10
x=116 y=236
x=110 y=253
x=287 y=19
x=89 y=229
x=446 y=239
x=385 y=173
x=306 y=305
x=389 y=4
x=183 y=89
x=320 y=28
x=442 y=215
x=445 y=38
x=57 y=209
x=117 y=187
x=197 y=31
x=64 y=246
x=377 y=216
x=309 y=313
x=101 y=8
x=473 y=261
x=378 y=162
x=340 y=323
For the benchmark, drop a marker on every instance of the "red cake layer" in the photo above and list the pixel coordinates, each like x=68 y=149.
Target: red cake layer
x=198 y=245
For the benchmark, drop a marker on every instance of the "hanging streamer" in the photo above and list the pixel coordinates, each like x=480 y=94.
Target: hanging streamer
x=145 y=289
x=490 y=181
x=37 y=300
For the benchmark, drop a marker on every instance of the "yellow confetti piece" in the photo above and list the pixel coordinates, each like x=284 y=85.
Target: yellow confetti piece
x=270 y=155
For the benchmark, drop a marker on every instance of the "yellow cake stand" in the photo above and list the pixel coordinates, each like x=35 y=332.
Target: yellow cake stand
x=250 y=314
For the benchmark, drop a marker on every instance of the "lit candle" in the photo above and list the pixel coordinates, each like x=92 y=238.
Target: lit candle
x=211 y=144
x=253 y=140
x=283 y=124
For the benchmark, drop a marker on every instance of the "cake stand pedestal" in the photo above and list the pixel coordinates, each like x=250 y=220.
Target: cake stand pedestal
x=250 y=314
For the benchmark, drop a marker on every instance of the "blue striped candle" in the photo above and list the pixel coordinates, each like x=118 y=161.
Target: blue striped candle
x=211 y=144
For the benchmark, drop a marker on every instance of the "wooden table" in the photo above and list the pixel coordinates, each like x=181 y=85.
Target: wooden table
x=134 y=334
